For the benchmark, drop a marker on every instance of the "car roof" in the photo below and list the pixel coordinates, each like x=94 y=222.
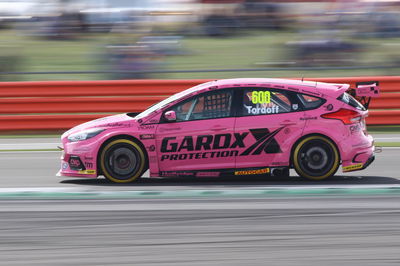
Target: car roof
x=331 y=89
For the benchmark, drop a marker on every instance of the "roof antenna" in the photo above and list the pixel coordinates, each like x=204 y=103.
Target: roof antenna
x=302 y=78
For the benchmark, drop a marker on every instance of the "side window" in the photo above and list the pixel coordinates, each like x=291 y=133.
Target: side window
x=263 y=101
x=310 y=102
x=216 y=104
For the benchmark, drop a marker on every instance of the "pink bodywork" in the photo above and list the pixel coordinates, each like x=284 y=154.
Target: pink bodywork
x=230 y=136
x=367 y=90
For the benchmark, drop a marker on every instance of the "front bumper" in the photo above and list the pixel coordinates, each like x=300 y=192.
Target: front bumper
x=78 y=160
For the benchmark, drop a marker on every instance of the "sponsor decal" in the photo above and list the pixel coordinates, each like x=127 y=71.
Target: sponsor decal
x=207 y=174
x=262 y=110
x=355 y=129
x=265 y=142
x=87 y=172
x=147 y=136
x=253 y=172
x=204 y=142
x=145 y=127
x=175 y=174
x=115 y=124
x=88 y=158
x=295 y=106
x=352 y=167
x=329 y=107
x=199 y=155
x=210 y=146
x=260 y=97
x=74 y=162
x=64 y=166
x=88 y=165
x=309 y=118
x=189 y=173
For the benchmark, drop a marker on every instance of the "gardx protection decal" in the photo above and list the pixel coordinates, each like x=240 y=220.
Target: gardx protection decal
x=219 y=145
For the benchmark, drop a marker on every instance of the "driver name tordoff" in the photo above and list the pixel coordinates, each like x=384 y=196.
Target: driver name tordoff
x=262 y=110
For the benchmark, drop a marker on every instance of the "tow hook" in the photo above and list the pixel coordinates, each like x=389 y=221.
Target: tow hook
x=378 y=149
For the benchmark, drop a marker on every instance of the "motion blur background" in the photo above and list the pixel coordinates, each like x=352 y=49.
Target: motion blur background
x=183 y=39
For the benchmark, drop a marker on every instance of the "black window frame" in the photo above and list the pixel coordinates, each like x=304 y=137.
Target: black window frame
x=352 y=101
x=304 y=107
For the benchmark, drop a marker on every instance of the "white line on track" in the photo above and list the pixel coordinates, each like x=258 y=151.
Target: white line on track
x=28 y=145
x=24 y=144
x=24 y=152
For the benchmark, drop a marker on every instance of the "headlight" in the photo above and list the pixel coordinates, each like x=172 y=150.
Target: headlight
x=84 y=135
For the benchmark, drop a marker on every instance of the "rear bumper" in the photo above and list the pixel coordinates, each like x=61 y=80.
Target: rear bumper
x=370 y=160
x=360 y=160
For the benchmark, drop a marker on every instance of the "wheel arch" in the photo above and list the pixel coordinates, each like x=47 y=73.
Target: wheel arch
x=120 y=136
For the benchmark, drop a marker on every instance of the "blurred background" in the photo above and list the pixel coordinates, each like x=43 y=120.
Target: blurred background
x=188 y=39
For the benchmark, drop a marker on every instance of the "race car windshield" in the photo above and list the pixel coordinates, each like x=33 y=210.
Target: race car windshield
x=170 y=100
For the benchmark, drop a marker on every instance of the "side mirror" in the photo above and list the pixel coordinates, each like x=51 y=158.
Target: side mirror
x=170 y=116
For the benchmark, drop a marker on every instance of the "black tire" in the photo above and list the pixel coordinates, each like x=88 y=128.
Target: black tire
x=122 y=161
x=316 y=158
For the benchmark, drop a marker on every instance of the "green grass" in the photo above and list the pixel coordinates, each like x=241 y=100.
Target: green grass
x=242 y=51
x=387 y=144
x=384 y=129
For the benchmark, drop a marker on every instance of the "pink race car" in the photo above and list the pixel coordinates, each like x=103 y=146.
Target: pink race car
x=230 y=127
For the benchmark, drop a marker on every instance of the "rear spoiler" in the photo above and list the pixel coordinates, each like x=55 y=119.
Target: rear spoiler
x=364 y=91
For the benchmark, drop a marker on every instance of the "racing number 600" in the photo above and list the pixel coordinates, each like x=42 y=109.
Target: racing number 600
x=260 y=97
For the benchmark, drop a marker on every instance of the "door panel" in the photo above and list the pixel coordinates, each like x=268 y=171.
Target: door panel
x=273 y=124
x=202 y=135
x=195 y=145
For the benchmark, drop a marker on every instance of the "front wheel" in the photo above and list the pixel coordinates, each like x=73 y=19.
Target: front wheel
x=316 y=158
x=122 y=161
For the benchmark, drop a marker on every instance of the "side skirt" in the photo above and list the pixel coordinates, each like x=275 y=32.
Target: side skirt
x=270 y=171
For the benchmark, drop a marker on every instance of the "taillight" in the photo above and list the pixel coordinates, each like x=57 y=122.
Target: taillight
x=345 y=115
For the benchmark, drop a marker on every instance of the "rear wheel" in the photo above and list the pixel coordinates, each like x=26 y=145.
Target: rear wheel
x=316 y=158
x=122 y=161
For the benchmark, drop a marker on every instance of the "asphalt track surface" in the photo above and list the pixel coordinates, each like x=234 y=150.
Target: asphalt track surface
x=325 y=229
x=38 y=169
x=266 y=231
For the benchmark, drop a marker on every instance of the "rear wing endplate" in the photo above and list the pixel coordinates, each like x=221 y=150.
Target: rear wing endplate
x=364 y=91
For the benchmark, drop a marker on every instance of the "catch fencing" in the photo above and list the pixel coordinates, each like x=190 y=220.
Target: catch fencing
x=59 y=105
